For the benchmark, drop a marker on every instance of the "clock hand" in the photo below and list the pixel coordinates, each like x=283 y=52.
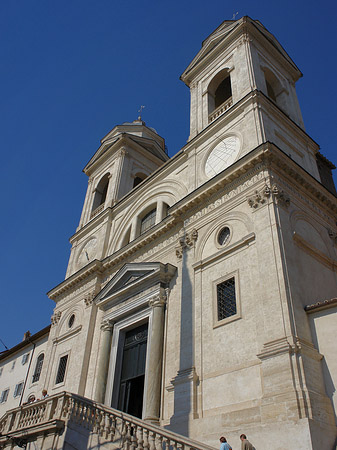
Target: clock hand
x=86 y=254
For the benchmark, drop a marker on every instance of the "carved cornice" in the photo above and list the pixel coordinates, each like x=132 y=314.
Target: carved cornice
x=265 y=157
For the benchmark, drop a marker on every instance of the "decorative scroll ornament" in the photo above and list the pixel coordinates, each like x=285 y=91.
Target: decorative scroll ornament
x=185 y=242
x=89 y=298
x=55 y=318
x=260 y=197
x=280 y=196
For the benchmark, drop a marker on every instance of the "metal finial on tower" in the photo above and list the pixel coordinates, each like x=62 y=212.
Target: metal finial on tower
x=234 y=15
x=140 y=112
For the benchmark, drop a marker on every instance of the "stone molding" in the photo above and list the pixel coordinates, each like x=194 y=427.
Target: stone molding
x=55 y=318
x=282 y=346
x=185 y=242
x=183 y=376
x=89 y=299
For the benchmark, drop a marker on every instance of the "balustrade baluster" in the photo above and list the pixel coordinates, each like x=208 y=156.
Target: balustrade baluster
x=159 y=442
x=152 y=440
x=133 y=430
x=140 y=439
x=146 y=444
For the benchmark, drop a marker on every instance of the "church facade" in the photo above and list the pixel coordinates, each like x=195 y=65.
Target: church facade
x=200 y=290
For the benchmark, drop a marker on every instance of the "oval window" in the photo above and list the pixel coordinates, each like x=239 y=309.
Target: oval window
x=71 y=320
x=224 y=236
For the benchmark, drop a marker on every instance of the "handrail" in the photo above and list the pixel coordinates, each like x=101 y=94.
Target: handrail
x=130 y=432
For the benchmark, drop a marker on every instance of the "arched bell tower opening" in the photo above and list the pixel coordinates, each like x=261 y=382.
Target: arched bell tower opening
x=275 y=90
x=219 y=92
x=100 y=192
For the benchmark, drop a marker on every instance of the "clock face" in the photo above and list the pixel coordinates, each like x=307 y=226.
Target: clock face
x=222 y=156
x=88 y=252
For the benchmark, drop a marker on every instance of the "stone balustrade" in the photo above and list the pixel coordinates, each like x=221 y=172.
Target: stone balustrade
x=110 y=425
x=97 y=210
x=220 y=110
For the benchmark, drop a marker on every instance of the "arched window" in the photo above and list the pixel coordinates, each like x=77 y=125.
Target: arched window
x=148 y=221
x=38 y=368
x=100 y=192
x=219 y=93
x=138 y=179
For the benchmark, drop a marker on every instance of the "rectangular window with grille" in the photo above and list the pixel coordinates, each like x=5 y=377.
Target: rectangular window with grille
x=18 y=389
x=62 y=369
x=4 y=396
x=25 y=359
x=226 y=299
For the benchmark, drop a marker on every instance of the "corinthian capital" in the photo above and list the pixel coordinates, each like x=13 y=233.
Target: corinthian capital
x=158 y=300
x=106 y=325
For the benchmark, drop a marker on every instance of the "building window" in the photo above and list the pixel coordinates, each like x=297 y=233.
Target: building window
x=224 y=236
x=13 y=365
x=25 y=359
x=18 y=389
x=226 y=299
x=38 y=368
x=71 y=320
x=4 y=396
x=1 y=369
x=219 y=94
x=148 y=221
x=62 y=369
x=100 y=192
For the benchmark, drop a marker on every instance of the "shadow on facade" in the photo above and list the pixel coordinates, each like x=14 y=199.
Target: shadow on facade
x=184 y=381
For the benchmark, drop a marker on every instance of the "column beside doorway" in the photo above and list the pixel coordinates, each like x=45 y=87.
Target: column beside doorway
x=155 y=358
x=103 y=360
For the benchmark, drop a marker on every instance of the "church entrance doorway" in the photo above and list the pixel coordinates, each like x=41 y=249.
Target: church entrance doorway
x=131 y=388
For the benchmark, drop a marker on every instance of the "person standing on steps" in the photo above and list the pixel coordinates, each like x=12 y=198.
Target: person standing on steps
x=224 y=444
x=245 y=444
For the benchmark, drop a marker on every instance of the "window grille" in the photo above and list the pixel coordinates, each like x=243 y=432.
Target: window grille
x=4 y=396
x=18 y=389
x=226 y=299
x=38 y=368
x=25 y=359
x=148 y=221
x=62 y=369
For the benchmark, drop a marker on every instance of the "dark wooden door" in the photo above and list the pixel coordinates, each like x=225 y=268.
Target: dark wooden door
x=131 y=387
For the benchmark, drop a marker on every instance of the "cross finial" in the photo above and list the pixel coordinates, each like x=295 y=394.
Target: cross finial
x=234 y=15
x=140 y=112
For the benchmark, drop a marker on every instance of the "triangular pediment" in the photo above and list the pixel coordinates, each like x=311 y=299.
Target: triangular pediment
x=222 y=32
x=133 y=278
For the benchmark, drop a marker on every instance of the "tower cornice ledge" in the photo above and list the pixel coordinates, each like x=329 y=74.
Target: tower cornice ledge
x=267 y=156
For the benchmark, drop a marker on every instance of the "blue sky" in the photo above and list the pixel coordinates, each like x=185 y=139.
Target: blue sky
x=71 y=70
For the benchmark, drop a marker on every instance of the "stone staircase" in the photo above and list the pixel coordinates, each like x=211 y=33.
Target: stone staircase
x=68 y=421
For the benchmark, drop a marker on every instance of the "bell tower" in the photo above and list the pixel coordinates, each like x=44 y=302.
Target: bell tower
x=128 y=154
x=243 y=79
